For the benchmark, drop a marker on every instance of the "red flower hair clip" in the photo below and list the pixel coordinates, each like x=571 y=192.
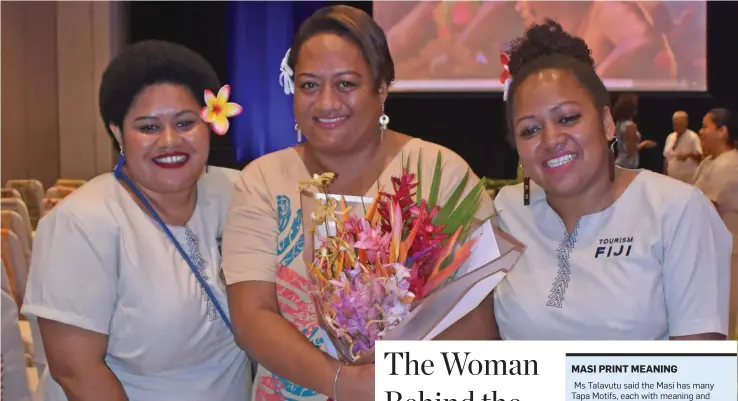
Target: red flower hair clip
x=505 y=76
x=504 y=60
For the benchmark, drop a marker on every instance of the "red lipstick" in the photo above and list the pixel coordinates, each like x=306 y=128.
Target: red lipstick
x=171 y=159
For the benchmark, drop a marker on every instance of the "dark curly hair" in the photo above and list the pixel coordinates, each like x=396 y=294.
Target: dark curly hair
x=146 y=63
x=356 y=26
x=548 y=46
x=625 y=107
x=723 y=117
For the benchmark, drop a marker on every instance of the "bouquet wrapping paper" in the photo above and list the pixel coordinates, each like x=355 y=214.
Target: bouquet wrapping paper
x=487 y=254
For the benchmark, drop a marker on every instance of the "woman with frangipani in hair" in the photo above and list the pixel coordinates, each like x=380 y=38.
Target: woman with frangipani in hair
x=612 y=254
x=339 y=68
x=125 y=274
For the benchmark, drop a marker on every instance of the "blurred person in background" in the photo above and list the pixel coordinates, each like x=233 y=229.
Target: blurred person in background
x=341 y=68
x=612 y=253
x=717 y=177
x=468 y=36
x=682 y=151
x=125 y=275
x=629 y=142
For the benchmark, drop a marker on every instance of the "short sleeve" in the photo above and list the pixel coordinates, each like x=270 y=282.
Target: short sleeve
x=73 y=276
x=696 y=270
x=250 y=232
x=726 y=196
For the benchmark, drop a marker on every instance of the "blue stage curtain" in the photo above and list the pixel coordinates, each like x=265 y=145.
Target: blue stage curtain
x=259 y=34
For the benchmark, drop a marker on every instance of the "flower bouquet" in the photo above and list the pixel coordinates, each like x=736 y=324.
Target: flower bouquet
x=398 y=266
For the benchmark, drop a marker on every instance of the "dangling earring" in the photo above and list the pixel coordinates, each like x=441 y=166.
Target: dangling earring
x=526 y=187
x=299 y=133
x=612 y=160
x=121 y=161
x=383 y=122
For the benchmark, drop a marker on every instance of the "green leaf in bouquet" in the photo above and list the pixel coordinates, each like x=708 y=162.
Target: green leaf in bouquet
x=435 y=184
x=465 y=211
x=447 y=261
x=419 y=189
x=470 y=224
x=407 y=162
x=448 y=208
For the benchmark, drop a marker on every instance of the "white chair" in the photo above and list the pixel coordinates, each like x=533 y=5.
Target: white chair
x=32 y=192
x=18 y=206
x=16 y=262
x=15 y=382
x=70 y=182
x=10 y=193
x=13 y=221
x=59 y=191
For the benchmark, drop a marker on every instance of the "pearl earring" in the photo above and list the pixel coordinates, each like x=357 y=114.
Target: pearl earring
x=383 y=120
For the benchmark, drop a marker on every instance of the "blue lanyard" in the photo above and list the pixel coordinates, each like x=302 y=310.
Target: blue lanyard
x=118 y=172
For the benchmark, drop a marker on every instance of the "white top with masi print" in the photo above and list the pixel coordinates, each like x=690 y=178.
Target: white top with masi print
x=101 y=264
x=654 y=264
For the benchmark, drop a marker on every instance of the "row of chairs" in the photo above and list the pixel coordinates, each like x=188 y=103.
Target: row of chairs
x=24 y=202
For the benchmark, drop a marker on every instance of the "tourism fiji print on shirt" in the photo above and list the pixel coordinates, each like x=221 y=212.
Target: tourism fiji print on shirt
x=634 y=271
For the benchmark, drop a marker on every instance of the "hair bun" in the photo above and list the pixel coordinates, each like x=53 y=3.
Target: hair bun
x=547 y=39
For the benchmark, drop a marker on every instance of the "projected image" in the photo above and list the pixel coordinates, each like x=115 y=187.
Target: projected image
x=636 y=45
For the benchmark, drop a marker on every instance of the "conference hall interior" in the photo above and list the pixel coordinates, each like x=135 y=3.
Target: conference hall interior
x=447 y=91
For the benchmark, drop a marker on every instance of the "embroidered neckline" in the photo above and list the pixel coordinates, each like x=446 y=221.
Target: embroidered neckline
x=563 y=274
x=193 y=250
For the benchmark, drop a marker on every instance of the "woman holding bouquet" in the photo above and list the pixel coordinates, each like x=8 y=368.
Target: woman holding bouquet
x=341 y=68
x=612 y=254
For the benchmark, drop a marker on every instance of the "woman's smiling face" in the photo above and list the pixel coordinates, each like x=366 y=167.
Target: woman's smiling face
x=166 y=144
x=560 y=133
x=337 y=104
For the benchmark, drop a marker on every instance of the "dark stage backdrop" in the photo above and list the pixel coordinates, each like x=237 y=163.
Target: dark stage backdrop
x=470 y=124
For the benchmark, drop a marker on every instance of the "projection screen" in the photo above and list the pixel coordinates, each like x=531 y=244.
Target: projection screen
x=455 y=45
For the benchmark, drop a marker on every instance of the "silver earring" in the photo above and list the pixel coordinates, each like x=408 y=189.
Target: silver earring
x=612 y=145
x=299 y=133
x=383 y=120
x=121 y=151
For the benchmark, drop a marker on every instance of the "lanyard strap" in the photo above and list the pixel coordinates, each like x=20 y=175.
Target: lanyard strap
x=118 y=172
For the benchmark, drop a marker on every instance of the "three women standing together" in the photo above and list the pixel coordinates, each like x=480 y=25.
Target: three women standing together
x=126 y=273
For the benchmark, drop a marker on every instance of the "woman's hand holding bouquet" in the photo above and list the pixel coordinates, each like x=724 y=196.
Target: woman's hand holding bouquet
x=398 y=266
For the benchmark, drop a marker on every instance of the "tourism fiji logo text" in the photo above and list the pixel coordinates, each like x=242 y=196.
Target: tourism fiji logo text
x=613 y=247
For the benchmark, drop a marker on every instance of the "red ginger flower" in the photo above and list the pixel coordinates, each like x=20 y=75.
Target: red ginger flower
x=426 y=247
x=404 y=187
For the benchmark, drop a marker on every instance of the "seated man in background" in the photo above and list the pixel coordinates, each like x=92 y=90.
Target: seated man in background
x=682 y=152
